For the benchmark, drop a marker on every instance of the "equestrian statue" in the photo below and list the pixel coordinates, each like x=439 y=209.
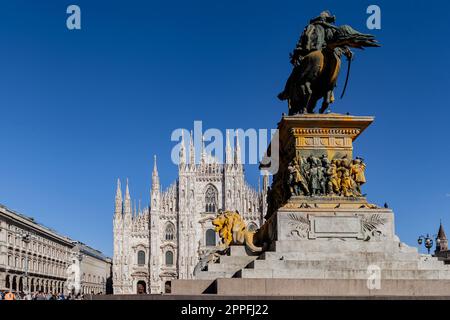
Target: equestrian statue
x=316 y=63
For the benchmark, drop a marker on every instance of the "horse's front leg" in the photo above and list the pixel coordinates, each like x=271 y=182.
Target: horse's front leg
x=307 y=93
x=327 y=99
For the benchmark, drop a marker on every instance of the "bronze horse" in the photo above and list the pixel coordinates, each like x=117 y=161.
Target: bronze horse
x=314 y=76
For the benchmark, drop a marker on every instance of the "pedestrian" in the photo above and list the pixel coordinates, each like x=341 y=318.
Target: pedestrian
x=40 y=296
x=10 y=296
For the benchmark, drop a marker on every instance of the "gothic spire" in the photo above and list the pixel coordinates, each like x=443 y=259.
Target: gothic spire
x=237 y=150
x=127 y=192
x=191 y=149
x=118 y=206
x=182 y=150
x=228 y=152
x=127 y=203
x=203 y=154
x=441 y=240
x=155 y=194
x=441 y=233
x=155 y=176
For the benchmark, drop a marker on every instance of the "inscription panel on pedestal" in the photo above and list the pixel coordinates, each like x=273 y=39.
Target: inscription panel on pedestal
x=335 y=227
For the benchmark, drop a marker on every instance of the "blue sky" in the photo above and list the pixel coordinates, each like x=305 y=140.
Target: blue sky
x=81 y=108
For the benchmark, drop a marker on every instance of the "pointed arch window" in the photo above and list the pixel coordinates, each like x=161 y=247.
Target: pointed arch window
x=211 y=199
x=141 y=257
x=170 y=232
x=210 y=237
x=169 y=258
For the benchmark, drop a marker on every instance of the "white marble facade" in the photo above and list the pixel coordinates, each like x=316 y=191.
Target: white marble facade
x=163 y=241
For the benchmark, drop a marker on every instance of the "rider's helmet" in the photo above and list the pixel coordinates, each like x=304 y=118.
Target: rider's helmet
x=325 y=16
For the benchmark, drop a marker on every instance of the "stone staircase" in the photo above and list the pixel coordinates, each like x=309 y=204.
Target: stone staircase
x=228 y=265
x=394 y=261
x=322 y=268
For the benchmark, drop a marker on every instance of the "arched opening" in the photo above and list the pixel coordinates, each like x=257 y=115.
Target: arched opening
x=210 y=237
x=169 y=258
x=14 y=284
x=141 y=258
x=211 y=199
x=32 y=285
x=8 y=282
x=170 y=232
x=20 y=284
x=141 y=287
x=168 y=287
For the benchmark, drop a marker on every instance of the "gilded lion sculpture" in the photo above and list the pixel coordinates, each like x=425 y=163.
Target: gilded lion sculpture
x=232 y=230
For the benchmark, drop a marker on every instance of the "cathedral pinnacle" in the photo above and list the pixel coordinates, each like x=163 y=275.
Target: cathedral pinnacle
x=155 y=176
x=228 y=152
x=127 y=192
x=118 y=205
x=127 y=204
x=237 y=150
x=191 y=149
x=182 y=153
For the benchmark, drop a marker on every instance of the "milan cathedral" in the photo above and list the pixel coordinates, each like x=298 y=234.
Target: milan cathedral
x=164 y=241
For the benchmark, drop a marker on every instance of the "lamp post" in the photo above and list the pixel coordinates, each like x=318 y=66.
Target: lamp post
x=427 y=241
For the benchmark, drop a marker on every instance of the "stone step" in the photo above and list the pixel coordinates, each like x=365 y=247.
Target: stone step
x=331 y=264
x=429 y=262
x=212 y=275
x=340 y=274
x=237 y=260
x=333 y=288
x=241 y=251
x=361 y=256
x=221 y=267
x=341 y=246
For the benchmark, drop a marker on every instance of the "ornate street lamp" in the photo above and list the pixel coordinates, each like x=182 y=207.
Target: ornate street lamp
x=427 y=241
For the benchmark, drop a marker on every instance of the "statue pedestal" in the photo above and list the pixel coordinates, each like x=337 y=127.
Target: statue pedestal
x=316 y=136
x=319 y=134
x=343 y=224
x=331 y=236
x=329 y=243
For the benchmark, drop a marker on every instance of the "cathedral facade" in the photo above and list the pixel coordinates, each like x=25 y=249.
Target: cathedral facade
x=165 y=240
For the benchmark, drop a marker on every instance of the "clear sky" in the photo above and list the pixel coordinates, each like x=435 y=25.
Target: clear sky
x=81 y=108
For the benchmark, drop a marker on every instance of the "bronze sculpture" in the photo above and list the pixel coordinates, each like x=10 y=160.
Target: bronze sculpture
x=341 y=177
x=316 y=63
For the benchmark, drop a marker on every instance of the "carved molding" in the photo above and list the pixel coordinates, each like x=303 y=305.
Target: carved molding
x=371 y=226
x=326 y=131
x=299 y=226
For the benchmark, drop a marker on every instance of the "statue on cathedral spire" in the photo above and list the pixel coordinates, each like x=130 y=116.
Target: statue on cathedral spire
x=316 y=63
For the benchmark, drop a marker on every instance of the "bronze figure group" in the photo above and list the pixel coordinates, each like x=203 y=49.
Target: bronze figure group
x=313 y=176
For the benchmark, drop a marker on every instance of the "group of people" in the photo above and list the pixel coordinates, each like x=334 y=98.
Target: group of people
x=318 y=176
x=38 y=295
